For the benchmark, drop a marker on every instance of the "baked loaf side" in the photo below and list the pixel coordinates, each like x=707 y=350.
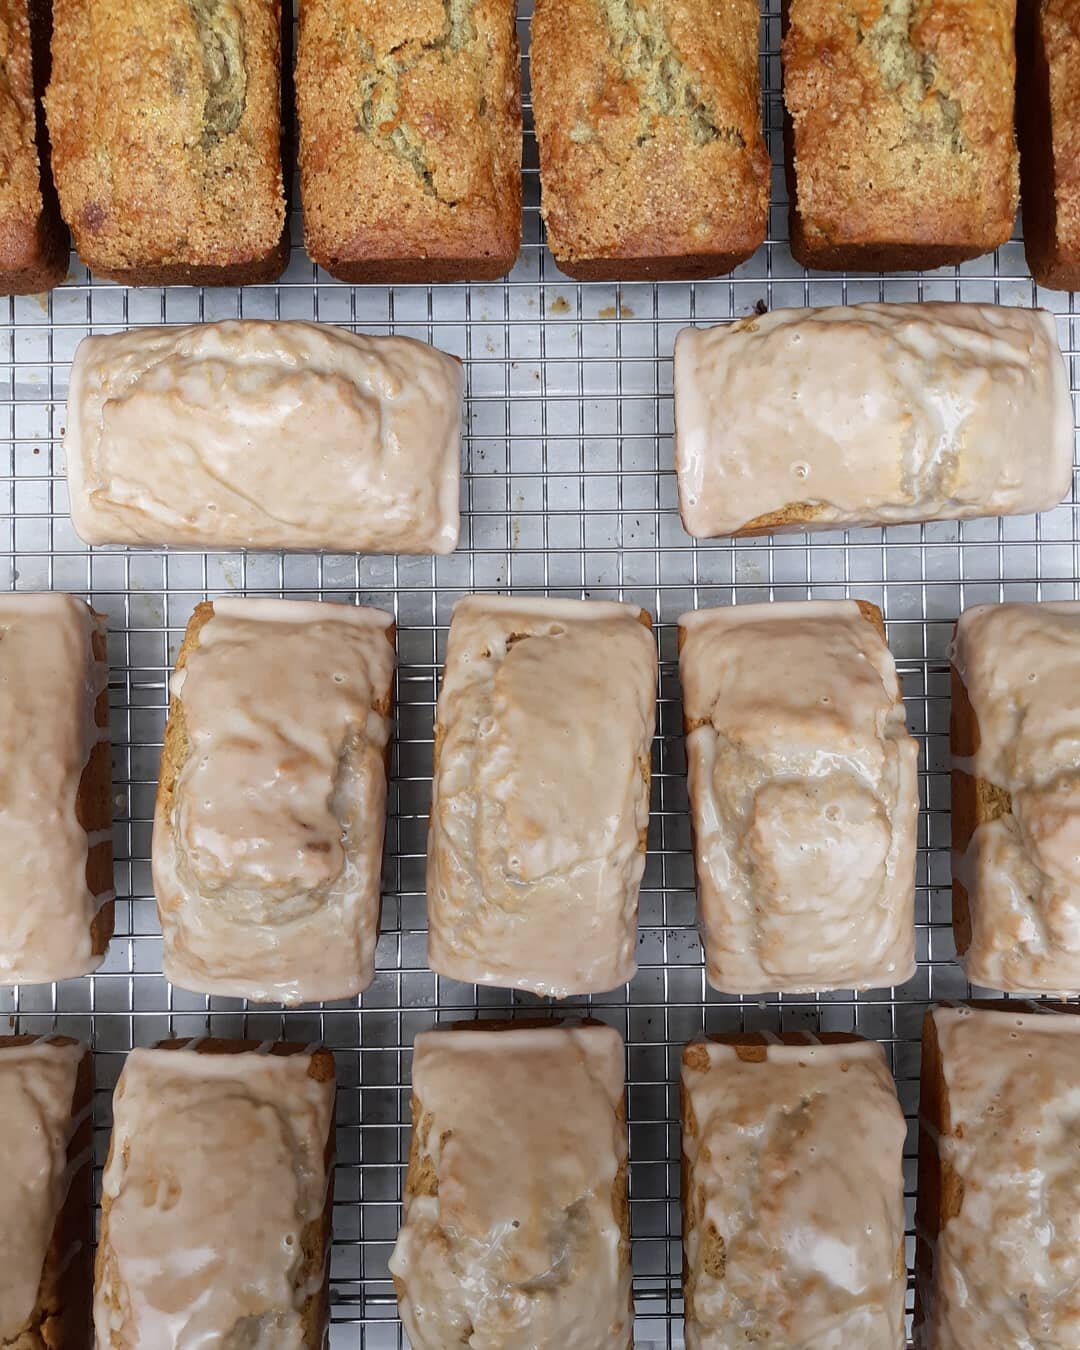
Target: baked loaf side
x=417 y=103
x=527 y=1243
x=793 y=1193
x=900 y=147
x=221 y=1156
x=268 y=829
x=165 y=122
x=803 y=797
x=33 y=240
x=46 y=1218
x=540 y=799
x=870 y=414
x=56 y=883
x=198 y=437
x=1015 y=739
x=1048 y=118
x=648 y=119
x=997 y=1252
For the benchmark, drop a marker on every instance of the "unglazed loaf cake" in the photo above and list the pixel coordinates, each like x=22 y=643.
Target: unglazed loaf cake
x=261 y=434
x=1015 y=740
x=872 y=414
x=899 y=135
x=165 y=123
x=1048 y=108
x=804 y=797
x=56 y=878
x=540 y=798
x=34 y=243
x=216 y=1198
x=648 y=119
x=526 y=1243
x=271 y=804
x=792 y=1194
x=996 y=1219
x=46 y=1196
x=410 y=138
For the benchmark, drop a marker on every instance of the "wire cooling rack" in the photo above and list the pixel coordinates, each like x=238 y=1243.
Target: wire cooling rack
x=569 y=488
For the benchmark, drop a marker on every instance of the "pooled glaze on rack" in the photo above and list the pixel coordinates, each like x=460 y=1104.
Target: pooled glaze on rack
x=37 y=1090
x=870 y=414
x=216 y=1168
x=1020 y=664
x=515 y=1240
x=1007 y=1265
x=49 y=685
x=267 y=854
x=540 y=802
x=804 y=798
x=202 y=436
x=796 y=1195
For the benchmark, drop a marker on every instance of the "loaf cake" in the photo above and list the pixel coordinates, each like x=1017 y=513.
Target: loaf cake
x=56 y=883
x=271 y=802
x=216 y=1198
x=165 y=122
x=804 y=799
x=899 y=132
x=1016 y=795
x=516 y=1224
x=793 y=1194
x=540 y=798
x=648 y=119
x=996 y=1221
x=1048 y=119
x=46 y=1215
x=34 y=242
x=410 y=138
x=872 y=414
x=260 y=434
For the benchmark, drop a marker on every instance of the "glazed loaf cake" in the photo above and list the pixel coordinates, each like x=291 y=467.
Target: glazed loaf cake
x=46 y=1214
x=216 y=1198
x=165 y=122
x=900 y=151
x=997 y=1247
x=260 y=434
x=268 y=831
x=526 y=1243
x=1015 y=739
x=793 y=1194
x=34 y=242
x=871 y=414
x=648 y=119
x=56 y=882
x=803 y=797
x=540 y=798
x=1048 y=78
x=410 y=138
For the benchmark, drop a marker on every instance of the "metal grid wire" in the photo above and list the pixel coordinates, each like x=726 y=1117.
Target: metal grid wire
x=568 y=488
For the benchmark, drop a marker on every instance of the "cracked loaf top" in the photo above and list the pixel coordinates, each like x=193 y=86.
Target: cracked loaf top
x=649 y=123
x=419 y=101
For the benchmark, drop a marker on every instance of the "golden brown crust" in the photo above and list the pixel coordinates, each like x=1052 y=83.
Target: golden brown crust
x=93 y=807
x=648 y=120
x=900 y=150
x=419 y=101
x=61 y=1320
x=165 y=121
x=1048 y=106
x=316 y=1236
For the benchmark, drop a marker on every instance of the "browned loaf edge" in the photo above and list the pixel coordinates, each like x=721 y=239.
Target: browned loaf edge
x=422 y=1179
x=315 y=1238
x=659 y=267
x=93 y=806
x=1054 y=261
x=175 y=746
x=62 y=1316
